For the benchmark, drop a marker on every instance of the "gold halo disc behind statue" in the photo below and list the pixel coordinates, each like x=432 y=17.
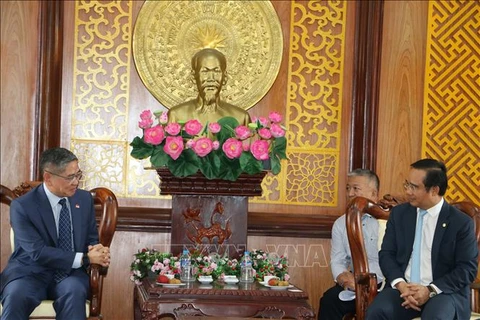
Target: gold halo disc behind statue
x=168 y=33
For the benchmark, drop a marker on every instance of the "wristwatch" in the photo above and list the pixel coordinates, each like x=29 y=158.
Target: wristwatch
x=432 y=291
x=85 y=260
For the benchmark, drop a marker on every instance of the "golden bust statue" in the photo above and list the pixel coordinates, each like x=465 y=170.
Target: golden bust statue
x=209 y=70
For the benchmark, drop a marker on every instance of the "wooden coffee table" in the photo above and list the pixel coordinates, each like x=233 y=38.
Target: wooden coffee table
x=153 y=301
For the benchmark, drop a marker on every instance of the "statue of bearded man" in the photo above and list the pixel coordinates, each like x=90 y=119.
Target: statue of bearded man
x=209 y=69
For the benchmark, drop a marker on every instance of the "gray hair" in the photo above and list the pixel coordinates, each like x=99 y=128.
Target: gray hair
x=56 y=159
x=372 y=176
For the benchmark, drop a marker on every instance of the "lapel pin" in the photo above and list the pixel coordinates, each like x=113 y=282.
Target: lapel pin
x=78 y=207
x=444 y=225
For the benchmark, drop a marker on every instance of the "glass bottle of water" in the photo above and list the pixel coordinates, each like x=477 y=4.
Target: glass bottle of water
x=186 y=267
x=246 y=269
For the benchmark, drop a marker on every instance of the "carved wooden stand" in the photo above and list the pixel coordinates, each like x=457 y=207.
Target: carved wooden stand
x=209 y=215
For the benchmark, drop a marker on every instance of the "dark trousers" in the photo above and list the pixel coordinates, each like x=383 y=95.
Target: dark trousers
x=332 y=308
x=388 y=305
x=21 y=296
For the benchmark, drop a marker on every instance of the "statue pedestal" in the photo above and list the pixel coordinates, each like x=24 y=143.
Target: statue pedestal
x=209 y=215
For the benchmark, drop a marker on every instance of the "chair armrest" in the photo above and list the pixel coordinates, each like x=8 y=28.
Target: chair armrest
x=97 y=272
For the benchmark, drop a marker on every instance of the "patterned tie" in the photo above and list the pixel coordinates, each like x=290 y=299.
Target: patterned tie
x=64 y=236
x=417 y=248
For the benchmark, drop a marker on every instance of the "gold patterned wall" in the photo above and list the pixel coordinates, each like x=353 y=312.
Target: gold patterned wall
x=314 y=107
x=451 y=120
x=100 y=92
x=102 y=107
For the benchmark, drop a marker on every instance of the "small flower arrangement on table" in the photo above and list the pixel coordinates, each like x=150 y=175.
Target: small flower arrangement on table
x=215 y=265
x=152 y=261
x=219 y=150
x=269 y=264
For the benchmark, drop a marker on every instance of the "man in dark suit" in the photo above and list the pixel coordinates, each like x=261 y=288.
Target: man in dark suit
x=56 y=238
x=434 y=283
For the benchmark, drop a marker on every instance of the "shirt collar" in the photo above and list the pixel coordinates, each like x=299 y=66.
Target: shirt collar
x=52 y=198
x=435 y=210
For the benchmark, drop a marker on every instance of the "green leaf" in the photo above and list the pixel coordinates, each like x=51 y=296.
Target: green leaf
x=159 y=157
x=228 y=125
x=186 y=165
x=229 y=168
x=275 y=165
x=141 y=149
x=249 y=164
x=210 y=165
x=279 y=147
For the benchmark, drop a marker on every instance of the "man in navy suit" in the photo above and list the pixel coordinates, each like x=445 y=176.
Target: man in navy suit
x=39 y=268
x=437 y=287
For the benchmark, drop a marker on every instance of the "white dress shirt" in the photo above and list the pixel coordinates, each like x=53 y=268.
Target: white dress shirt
x=428 y=231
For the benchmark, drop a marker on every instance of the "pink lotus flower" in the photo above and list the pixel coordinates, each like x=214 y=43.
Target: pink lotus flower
x=190 y=144
x=145 y=123
x=173 y=147
x=265 y=133
x=203 y=146
x=193 y=127
x=173 y=128
x=259 y=149
x=246 y=146
x=154 y=135
x=163 y=119
x=215 y=145
x=263 y=121
x=242 y=132
x=277 y=131
x=232 y=148
x=146 y=115
x=214 y=127
x=275 y=117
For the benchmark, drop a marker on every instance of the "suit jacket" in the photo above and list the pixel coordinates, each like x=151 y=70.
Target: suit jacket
x=454 y=251
x=36 y=239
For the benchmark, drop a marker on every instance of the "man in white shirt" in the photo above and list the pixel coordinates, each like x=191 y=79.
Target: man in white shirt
x=429 y=271
x=364 y=183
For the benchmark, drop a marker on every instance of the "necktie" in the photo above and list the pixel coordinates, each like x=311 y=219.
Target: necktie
x=417 y=248
x=64 y=235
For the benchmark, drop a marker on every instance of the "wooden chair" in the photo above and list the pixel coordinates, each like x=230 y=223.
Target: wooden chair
x=366 y=282
x=105 y=201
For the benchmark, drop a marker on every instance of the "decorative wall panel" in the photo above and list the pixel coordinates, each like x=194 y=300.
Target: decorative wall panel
x=451 y=118
x=101 y=98
x=100 y=91
x=314 y=106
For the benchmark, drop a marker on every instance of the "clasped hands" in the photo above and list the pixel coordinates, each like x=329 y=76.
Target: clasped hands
x=413 y=294
x=99 y=254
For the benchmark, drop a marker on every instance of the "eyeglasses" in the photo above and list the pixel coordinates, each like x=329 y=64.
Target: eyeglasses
x=69 y=178
x=408 y=186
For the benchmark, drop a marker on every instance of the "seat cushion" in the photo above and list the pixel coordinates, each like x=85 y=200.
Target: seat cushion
x=45 y=310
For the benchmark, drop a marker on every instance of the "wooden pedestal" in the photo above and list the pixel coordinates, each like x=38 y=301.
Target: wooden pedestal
x=209 y=215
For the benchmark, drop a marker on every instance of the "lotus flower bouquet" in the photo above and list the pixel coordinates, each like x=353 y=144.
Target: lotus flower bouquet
x=219 y=150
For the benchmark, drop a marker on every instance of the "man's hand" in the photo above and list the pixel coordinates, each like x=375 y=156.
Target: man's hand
x=99 y=254
x=346 y=280
x=414 y=295
x=419 y=293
